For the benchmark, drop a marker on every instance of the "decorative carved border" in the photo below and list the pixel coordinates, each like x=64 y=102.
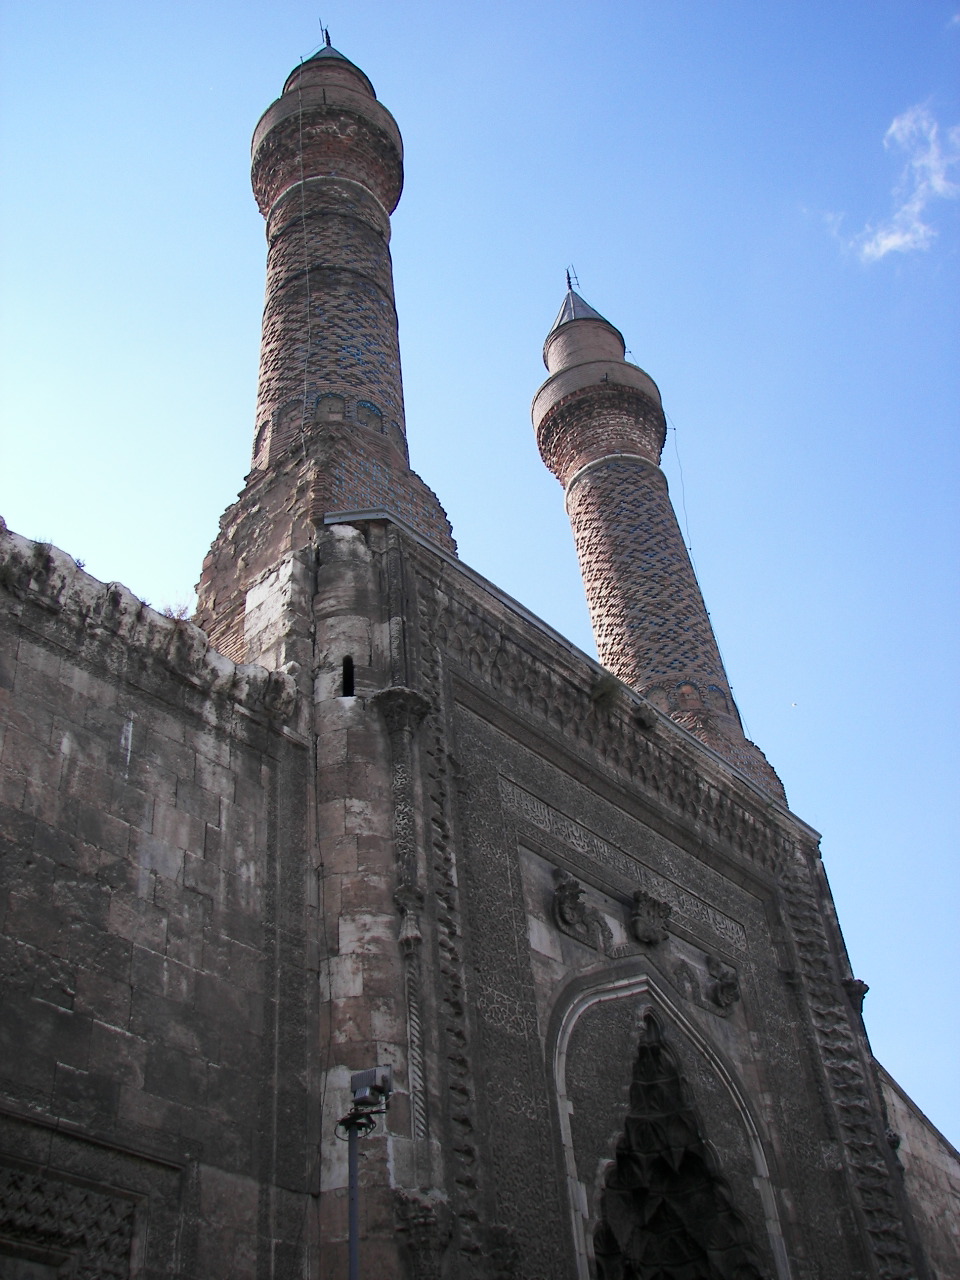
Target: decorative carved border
x=440 y=780
x=608 y=728
x=402 y=710
x=42 y=1211
x=69 y=1196
x=691 y=910
x=830 y=1014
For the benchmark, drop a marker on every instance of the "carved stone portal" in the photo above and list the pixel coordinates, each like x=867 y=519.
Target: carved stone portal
x=665 y=1213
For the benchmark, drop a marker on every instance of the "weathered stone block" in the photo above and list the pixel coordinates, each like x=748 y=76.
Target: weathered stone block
x=162 y=975
x=173 y=1074
x=87 y=1098
x=105 y=997
x=176 y=827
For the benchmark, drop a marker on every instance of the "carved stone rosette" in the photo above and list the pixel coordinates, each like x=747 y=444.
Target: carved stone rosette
x=649 y=918
x=574 y=917
x=725 y=988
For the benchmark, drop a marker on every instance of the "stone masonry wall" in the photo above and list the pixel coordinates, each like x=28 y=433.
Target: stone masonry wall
x=276 y=517
x=223 y=892
x=931 y=1169
x=158 y=978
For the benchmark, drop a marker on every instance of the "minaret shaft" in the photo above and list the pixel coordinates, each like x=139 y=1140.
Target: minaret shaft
x=330 y=349
x=648 y=616
x=600 y=429
x=327 y=172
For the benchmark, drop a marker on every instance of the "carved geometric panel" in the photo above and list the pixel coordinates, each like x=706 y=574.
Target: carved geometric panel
x=20 y=1268
x=45 y=1216
x=74 y=1208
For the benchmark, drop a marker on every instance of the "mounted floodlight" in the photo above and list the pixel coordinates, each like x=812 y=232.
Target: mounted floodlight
x=371 y=1090
x=372 y=1087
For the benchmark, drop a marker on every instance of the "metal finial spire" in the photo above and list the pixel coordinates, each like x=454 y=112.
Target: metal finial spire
x=326 y=37
x=572 y=281
x=569 y=285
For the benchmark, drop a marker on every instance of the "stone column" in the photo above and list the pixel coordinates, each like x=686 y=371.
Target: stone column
x=402 y=710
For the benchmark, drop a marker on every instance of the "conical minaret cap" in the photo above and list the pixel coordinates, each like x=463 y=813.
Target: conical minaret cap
x=326 y=60
x=582 y=350
x=328 y=54
x=580 y=333
x=575 y=308
x=327 y=122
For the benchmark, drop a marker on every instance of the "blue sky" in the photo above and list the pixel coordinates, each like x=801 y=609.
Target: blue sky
x=763 y=198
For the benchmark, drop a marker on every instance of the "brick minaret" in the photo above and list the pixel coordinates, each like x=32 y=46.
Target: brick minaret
x=600 y=429
x=330 y=434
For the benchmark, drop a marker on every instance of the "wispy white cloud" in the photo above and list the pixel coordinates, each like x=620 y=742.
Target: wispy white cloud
x=926 y=178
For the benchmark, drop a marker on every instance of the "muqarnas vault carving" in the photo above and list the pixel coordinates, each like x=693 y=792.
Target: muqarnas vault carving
x=665 y=1213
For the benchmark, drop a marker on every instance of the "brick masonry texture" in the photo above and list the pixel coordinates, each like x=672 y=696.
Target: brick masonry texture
x=649 y=621
x=337 y=333
x=325 y=139
x=648 y=615
x=330 y=433
x=574 y=433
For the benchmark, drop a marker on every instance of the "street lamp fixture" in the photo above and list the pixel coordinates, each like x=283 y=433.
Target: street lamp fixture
x=371 y=1090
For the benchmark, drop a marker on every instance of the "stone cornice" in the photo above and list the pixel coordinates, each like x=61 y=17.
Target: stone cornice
x=668 y=767
x=101 y=614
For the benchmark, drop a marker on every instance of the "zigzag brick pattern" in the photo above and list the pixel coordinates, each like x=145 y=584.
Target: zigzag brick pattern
x=648 y=616
x=330 y=433
x=600 y=429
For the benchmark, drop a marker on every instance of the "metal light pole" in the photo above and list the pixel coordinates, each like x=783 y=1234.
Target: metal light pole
x=371 y=1097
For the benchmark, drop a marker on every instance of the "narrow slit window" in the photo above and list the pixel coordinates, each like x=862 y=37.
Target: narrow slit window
x=347 y=678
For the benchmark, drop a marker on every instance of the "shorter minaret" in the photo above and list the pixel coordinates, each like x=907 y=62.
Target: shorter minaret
x=600 y=429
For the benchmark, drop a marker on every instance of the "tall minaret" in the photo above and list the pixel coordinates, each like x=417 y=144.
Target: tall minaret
x=600 y=429
x=330 y=435
x=327 y=174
